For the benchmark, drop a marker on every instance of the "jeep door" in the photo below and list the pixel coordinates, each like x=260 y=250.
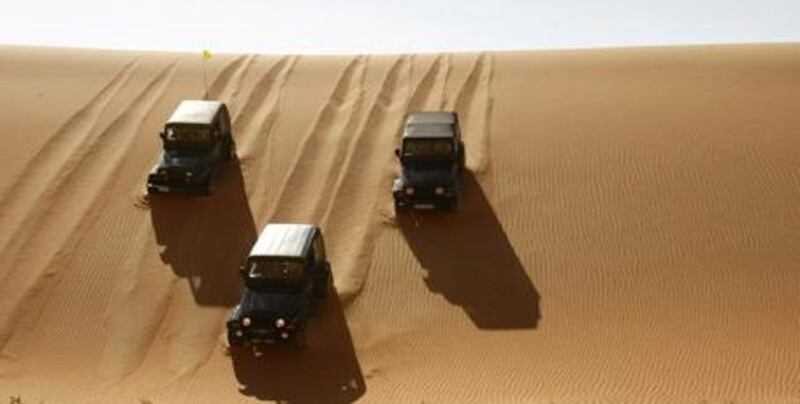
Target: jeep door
x=218 y=141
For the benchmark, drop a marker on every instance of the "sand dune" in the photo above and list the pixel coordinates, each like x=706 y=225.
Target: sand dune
x=629 y=231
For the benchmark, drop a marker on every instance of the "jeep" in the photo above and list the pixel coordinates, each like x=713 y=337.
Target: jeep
x=196 y=141
x=285 y=277
x=432 y=161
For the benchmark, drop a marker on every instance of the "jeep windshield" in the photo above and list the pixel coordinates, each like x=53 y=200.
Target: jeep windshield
x=421 y=172
x=179 y=137
x=427 y=148
x=275 y=272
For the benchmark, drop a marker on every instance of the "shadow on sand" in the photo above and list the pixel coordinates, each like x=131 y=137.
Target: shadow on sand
x=205 y=238
x=470 y=261
x=325 y=371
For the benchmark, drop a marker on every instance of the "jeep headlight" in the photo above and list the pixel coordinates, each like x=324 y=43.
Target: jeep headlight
x=280 y=323
x=409 y=191
x=439 y=190
x=246 y=321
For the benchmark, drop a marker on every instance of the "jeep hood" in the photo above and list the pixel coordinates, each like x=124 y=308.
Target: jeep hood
x=267 y=305
x=182 y=160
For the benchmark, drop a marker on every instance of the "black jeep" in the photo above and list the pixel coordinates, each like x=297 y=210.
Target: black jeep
x=285 y=276
x=432 y=160
x=197 y=140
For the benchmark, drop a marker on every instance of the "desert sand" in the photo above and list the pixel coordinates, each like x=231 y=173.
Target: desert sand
x=630 y=230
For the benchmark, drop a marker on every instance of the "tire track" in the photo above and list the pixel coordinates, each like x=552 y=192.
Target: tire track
x=474 y=106
x=137 y=313
x=257 y=119
x=244 y=73
x=421 y=97
x=321 y=154
x=258 y=114
x=442 y=89
x=431 y=92
x=363 y=182
x=234 y=71
x=57 y=157
x=38 y=255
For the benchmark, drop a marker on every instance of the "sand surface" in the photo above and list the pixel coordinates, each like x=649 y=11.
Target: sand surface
x=630 y=230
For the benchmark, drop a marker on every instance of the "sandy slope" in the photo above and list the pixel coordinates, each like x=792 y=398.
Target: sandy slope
x=630 y=230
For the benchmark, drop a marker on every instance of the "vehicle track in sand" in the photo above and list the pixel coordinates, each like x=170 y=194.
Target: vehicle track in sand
x=430 y=92
x=320 y=155
x=228 y=82
x=79 y=194
x=57 y=157
x=254 y=125
x=474 y=103
x=352 y=217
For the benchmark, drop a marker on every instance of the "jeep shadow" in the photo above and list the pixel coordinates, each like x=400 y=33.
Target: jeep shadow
x=470 y=261
x=205 y=239
x=325 y=371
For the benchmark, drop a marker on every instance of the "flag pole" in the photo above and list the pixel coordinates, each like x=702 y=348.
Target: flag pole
x=206 y=55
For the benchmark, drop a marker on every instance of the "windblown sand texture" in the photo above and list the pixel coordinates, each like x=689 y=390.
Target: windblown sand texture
x=630 y=230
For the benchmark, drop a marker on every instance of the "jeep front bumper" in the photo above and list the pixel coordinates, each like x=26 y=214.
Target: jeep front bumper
x=159 y=184
x=242 y=332
x=424 y=198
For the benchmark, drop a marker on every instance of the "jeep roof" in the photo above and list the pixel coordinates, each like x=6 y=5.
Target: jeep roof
x=284 y=240
x=432 y=117
x=438 y=124
x=195 y=112
x=429 y=131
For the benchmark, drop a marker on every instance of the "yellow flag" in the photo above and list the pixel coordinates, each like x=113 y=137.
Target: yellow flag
x=206 y=54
